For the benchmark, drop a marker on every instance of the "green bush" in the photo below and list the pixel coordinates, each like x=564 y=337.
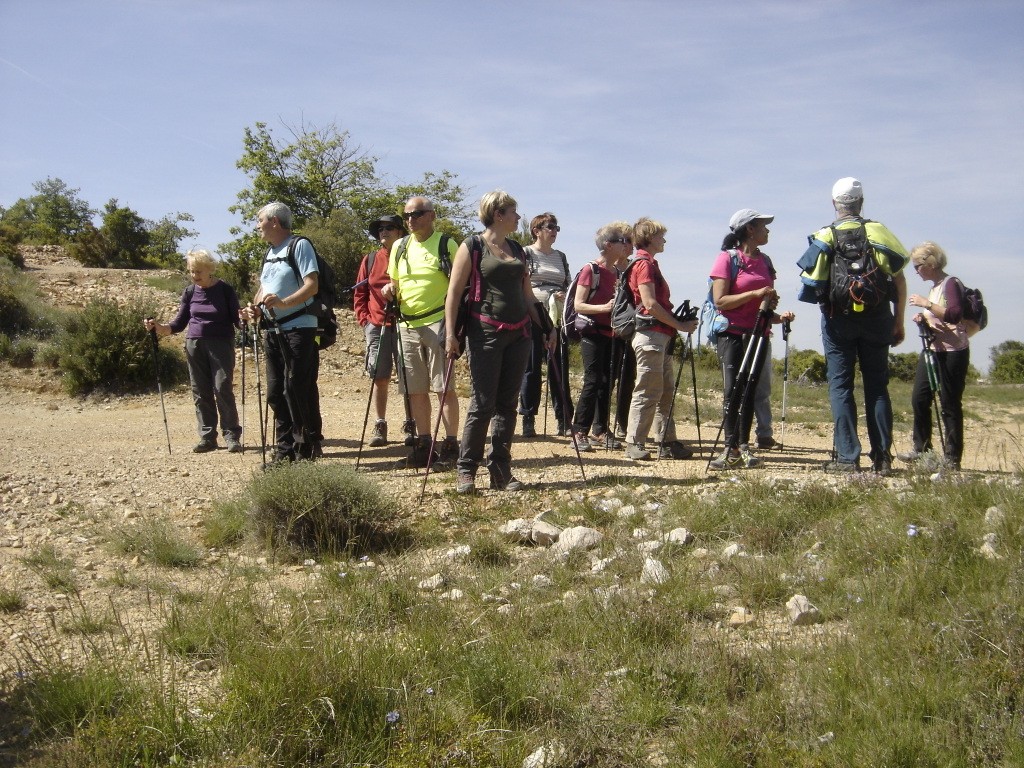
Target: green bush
x=105 y=347
x=321 y=508
x=903 y=366
x=1008 y=368
x=23 y=353
x=807 y=366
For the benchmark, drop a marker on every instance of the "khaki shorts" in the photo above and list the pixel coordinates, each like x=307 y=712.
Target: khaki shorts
x=379 y=357
x=423 y=359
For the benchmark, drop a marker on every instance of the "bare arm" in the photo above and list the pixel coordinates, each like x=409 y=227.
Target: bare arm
x=461 y=268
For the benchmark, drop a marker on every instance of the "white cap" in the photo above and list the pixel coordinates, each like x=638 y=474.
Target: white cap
x=744 y=216
x=847 y=190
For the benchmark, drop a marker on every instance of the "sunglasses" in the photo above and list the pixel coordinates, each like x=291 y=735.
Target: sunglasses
x=550 y=227
x=413 y=215
x=620 y=240
x=388 y=228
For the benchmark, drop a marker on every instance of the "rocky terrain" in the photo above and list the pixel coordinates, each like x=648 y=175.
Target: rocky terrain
x=72 y=471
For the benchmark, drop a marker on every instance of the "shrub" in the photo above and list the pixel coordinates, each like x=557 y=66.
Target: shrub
x=22 y=353
x=1008 y=368
x=807 y=366
x=321 y=508
x=159 y=542
x=5 y=346
x=903 y=366
x=105 y=347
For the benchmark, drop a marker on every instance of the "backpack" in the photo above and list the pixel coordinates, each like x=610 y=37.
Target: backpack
x=624 y=314
x=856 y=281
x=322 y=307
x=717 y=322
x=575 y=325
x=975 y=313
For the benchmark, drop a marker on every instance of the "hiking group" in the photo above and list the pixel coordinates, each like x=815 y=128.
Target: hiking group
x=422 y=300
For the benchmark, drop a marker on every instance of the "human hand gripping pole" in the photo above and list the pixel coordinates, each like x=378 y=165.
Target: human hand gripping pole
x=159 y=387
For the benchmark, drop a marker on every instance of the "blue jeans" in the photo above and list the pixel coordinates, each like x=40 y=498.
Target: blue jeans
x=847 y=343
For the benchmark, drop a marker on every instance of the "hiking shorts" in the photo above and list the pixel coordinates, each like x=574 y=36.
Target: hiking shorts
x=380 y=350
x=423 y=358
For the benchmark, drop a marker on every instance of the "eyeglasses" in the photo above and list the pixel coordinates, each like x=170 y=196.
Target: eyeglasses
x=620 y=240
x=917 y=267
x=413 y=215
x=550 y=227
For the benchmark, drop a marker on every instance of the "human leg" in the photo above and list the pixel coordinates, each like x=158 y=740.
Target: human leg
x=840 y=358
x=921 y=404
x=763 y=399
x=874 y=371
x=649 y=348
x=730 y=356
x=953 y=367
x=301 y=390
x=514 y=352
x=200 y=376
x=221 y=354
x=664 y=428
x=593 y=367
x=482 y=353
x=529 y=395
x=275 y=363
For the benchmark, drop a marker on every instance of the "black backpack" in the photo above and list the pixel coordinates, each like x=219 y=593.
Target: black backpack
x=856 y=281
x=575 y=325
x=975 y=313
x=322 y=307
x=623 y=307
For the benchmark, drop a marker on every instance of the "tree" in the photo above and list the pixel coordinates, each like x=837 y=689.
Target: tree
x=164 y=237
x=125 y=235
x=1008 y=363
x=53 y=216
x=333 y=191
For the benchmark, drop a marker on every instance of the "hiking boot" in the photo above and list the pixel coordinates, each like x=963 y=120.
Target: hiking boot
x=205 y=446
x=836 y=467
x=233 y=445
x=606 y=440
x=281 y=457
x=620 y=432
x=529 y=426
x=750 y=461
x=766 y=443
x=379 y=436
x=448 y=450
x=636 y=452
x=583 y=443
x=728 y=460
x=502 y=479
x=674 y=450
x=466 y=484
x=882 y=465
x=419 y=456
x=910 y=456
x=562 y=430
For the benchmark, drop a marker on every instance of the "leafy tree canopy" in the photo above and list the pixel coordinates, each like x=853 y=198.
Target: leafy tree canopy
x=334 y=191
x=55 y=215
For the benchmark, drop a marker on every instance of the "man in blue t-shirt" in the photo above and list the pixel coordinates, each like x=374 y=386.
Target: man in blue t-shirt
x=293 y=359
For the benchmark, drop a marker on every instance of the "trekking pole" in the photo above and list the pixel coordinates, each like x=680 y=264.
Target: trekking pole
x=437 y=424
x=245 y=341
x=159 y=388
x=741 y=393
x=932 y=368
x=572 y=432
x=620 y=381
x=693 y=375
x=373 y=386
x=785 y=381
x=547 y=388
x=256 y=341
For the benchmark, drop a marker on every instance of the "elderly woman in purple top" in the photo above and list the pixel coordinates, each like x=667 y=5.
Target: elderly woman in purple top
x=942 y=311
x=209 y=310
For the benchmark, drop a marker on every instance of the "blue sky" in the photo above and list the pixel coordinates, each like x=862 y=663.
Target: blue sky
x=683 y=111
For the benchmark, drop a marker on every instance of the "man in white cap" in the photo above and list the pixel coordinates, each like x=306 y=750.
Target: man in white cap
x=853 y=271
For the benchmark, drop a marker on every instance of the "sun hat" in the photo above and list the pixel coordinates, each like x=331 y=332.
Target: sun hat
x=847 y=190
x=374 y=228
x=744 y=216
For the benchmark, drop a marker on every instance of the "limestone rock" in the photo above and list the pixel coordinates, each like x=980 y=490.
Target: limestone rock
x=802 y=612
x=578 y=537
x=654 y=572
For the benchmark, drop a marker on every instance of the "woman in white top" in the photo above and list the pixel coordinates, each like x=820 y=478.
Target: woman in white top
x=550 y=277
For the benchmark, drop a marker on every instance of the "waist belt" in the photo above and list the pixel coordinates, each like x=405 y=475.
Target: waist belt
x=499 y=325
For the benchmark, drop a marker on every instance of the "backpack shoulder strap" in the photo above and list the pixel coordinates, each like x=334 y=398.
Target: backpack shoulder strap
x=565 y=266
x=476 y=253
x=444 y=256
x=403 y=250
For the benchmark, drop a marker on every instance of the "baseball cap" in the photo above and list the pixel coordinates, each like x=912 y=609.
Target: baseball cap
x=847 y=190
x=744 y=216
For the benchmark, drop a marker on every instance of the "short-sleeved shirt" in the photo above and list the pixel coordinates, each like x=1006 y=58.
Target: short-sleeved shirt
x=422 y=284
x=605 y=292
x=646 y=270
x=278 y=278
x=754 y=273
x=548 y=272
